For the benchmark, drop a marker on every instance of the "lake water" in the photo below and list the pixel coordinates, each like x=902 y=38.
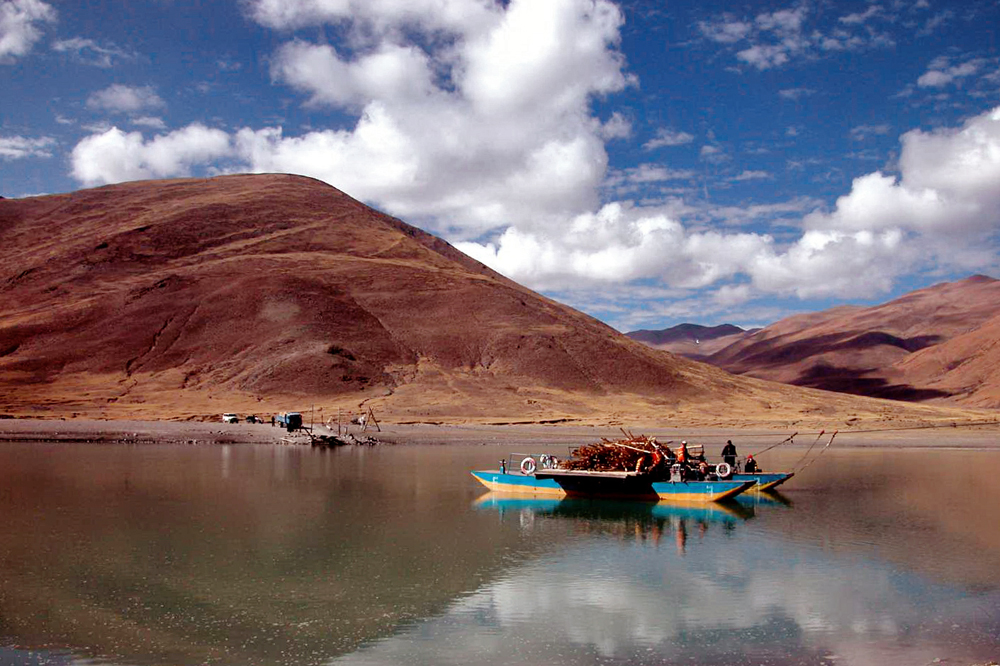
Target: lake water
x=278 y=555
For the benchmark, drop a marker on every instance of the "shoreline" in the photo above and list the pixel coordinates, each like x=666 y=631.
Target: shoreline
x=82 y=431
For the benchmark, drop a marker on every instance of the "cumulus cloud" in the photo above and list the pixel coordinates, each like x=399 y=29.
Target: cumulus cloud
x=380 y=17
x=394 y=74
x=119 y=98
x=617 y=244
x=483 y=119
x=21 y=24
x=18 y=147
x=114 y=156
x=949 y=182
x=948 y=188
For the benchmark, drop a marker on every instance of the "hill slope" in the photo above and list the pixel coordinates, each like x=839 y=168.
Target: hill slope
x=903 y=349
x=259 y=293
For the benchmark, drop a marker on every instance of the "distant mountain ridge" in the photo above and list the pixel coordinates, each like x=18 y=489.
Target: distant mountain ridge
x=684 y=332
x=692 y=341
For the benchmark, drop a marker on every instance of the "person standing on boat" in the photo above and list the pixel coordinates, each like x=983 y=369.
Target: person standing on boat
x=729 y=454
x=688 y=463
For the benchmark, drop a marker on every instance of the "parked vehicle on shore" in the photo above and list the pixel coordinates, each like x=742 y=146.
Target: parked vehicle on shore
x=290 y=421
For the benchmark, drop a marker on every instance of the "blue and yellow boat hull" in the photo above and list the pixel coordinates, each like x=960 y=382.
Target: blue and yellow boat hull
x=764 y=480
x=609 y=486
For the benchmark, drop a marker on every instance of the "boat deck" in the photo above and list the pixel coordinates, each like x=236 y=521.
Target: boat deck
x=584 y=473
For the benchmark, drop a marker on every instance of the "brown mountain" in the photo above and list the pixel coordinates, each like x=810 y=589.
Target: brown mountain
x=187 y=298
x=691 y=340
x=931 y=344
x=966 y=368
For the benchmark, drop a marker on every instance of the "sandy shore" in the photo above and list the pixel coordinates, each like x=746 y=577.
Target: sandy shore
x=172 y=432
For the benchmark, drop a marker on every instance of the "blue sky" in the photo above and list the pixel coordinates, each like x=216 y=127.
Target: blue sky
x=648 y=162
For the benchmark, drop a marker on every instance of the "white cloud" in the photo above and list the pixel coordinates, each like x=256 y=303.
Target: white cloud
x=90 y=52
x=616 y=127
x=832 y=263
x=618 y=244
x=862 y=132
x=119 y=98
x=765 y=56
x=748 y=174
x=483 y=120
x=647 y=173
x=712 y=153
x=725 y=30
x=861 y=17
x=796 y=93
x=949 y=182
x=784 y=21
x=115 y=156
x=666 y=137
x=941 y=73
x=936 y=21
x=379 y=17
x=781 y=211
x=393 y=74
x=949 y=188
x=774 y=39
x=152 y=122
x=20 y=26
x=18 y=147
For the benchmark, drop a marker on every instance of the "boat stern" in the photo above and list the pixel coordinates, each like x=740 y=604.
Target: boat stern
x=520 y=484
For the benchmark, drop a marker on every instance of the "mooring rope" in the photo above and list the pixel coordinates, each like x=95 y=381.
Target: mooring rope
x=809 y=450
x=821 y=451
x=784 y=441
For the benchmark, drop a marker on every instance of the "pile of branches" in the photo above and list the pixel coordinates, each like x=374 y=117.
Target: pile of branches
x=623 y=455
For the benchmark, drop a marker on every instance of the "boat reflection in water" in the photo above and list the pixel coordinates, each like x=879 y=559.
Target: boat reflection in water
x=639 y=521
x=764 y=498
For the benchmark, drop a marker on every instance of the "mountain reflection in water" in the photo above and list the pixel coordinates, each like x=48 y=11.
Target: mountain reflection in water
x=277 y=555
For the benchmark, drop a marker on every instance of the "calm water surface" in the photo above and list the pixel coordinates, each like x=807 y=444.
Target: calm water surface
x=280 y=555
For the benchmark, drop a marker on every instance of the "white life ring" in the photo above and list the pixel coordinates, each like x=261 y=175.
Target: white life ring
x=528 y=466
x=723 y=470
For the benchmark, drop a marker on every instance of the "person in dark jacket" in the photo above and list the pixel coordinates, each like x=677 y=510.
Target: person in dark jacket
x=751 y=466
x=729 y=454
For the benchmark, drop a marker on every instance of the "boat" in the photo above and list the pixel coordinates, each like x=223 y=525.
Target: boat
x=608 y=485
